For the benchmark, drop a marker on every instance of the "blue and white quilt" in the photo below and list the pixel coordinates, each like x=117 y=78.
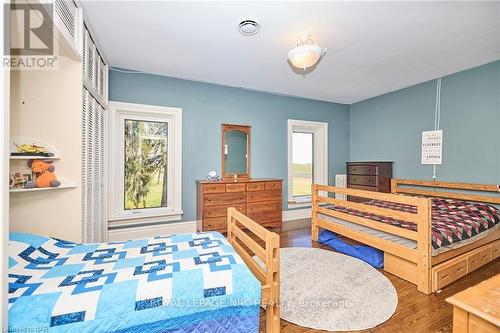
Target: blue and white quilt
x=178 y=283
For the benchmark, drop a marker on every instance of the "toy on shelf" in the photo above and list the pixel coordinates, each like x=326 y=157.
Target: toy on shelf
x=18 y=180
x=45 y=176
x=30 y=150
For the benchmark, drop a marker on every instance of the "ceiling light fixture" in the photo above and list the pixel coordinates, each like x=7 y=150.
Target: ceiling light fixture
x=305 y=54
x=248 y=27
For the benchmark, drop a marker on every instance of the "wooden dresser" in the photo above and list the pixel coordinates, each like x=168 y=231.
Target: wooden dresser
x=259 y=199
x=369 y=176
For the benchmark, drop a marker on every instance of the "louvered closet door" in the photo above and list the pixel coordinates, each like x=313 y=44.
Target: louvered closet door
x=85 y=191
x=93 y=207
x=102 y=174
x=94 y=227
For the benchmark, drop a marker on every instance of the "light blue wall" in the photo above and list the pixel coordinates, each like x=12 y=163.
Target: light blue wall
x=389 y=127
x=206 y=106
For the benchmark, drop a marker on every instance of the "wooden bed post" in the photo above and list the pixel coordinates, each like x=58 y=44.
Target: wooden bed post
x=314 y=209
x=273 y=276
x=424 y=246
x=394 y=185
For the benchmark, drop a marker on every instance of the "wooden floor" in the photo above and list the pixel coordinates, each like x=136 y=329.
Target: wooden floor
x=416 y=312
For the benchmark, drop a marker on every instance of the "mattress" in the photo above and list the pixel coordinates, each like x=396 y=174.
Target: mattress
x=178 y=283
x=455 y=223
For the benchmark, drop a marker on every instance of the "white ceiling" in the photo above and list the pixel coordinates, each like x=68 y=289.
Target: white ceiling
x=373 y=47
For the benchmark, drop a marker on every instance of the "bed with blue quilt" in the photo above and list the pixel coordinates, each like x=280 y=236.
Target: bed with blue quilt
x=177 y=283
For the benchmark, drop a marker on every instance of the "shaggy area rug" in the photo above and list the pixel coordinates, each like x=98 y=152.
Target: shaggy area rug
x=330 y=291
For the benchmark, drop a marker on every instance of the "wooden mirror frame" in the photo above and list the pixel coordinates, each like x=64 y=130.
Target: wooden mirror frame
x=241 y=128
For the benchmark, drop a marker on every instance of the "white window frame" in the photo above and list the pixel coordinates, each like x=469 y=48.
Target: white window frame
x=173 y=116
x=320 y=155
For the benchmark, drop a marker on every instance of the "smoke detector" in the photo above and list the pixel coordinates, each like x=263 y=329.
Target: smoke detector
x=248 y=27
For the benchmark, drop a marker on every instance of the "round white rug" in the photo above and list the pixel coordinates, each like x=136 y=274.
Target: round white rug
x=330 y=291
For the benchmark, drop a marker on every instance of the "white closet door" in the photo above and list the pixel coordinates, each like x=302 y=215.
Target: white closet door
x=93 y=184
x=94 y=227
x=85 y=105
x=102 y=177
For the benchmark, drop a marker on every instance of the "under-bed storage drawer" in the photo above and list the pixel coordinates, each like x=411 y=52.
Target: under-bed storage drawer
x=495 y=250
x=446 y=273
x=478 y=259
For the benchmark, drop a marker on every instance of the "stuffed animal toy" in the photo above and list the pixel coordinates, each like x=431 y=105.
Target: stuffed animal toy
x=44 y=171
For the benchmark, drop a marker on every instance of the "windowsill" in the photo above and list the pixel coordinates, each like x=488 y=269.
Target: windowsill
x=299 y=203
x=172 y=216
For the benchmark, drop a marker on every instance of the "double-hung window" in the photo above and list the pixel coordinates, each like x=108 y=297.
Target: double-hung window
x=145 y=173
x=307 y=159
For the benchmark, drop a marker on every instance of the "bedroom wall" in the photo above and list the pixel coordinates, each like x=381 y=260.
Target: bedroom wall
x=47 y=105
x=207 y=106
x=389 y=127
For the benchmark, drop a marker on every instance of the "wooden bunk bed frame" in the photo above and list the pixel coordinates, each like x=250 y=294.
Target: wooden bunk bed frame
x=246 y=247
x=418 y=266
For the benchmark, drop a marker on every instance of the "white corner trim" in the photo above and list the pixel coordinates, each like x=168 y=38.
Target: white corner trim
x=122 y=234
x=296 y=214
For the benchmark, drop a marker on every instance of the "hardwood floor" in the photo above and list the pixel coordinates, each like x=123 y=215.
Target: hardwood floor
x=416 y=312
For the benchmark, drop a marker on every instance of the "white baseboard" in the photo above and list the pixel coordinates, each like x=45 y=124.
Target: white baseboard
x=116 y=235
x=296 y=214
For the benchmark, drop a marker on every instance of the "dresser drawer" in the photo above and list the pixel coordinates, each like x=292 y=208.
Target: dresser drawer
x=271 y=195
x=478 y=259
x=235 y=187
x=256 y=186
x=221 y=211
x=266 y=206
x=364 y=188
x=273 y=186
x=362 y=169
x=223 y=198
x=265 y=217
x=218 y=223
x=214 y=188
x=363 y=180
x=448 y=273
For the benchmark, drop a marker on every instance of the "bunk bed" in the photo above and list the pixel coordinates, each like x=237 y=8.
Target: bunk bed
x=430 y=237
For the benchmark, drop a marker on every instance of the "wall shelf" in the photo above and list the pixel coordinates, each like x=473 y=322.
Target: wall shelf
x=64 y=185
x=35 y=157
x=18 y=161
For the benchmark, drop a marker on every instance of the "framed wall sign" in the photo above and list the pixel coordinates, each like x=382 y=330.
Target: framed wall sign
x=432 y=147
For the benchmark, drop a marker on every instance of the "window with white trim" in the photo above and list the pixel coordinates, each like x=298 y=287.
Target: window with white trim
x=146 y=167
x=307 y=159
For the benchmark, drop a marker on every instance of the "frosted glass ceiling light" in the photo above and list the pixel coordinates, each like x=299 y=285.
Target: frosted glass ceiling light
x=305 y=54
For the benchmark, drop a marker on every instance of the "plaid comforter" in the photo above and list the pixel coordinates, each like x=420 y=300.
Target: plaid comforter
x=453 y=221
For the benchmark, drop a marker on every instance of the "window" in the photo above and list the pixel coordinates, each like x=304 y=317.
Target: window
x=307 y=159
x=145 y=168
x=302 y=164
x=146 y=171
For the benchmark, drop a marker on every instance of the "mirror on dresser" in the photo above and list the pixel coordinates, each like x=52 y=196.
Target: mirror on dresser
x=235 y=151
